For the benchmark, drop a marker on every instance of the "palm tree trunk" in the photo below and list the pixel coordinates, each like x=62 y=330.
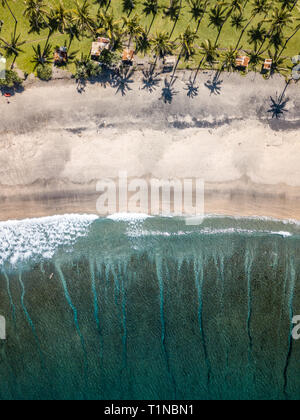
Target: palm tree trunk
x=288 y=40
x=151 y=24
x=219 y=34
x=245 y=5
x=13 y=63
x=269 y=34
x=221 y=29
x=14 y=17
x=284 y=90
x=48 y=38
x=198 y=69
x=200 y=21
x=294 y=5
x=243 y=32
x=173 y=29
x=176 y=66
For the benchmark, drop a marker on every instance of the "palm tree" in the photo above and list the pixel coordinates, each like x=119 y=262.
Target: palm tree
x=288 y=4
x=209 y=54
x=256 y=58
x=151 y=7
x=73 y=31
x=110 y=27
x=186 y=43
x=236 y=6
x=162 y=45
x=60 y=17
x=85 y=69
x=220 y=16
x=279 y=20
x=197 y=10
x=217 y=19
x=36 y=11
x=132 y=27
x=117 y=39
x=83 y=18
x=103 y=4
x=229 y=56
x=173 y=13
x=288 y=40
x=42 y=56
x=12 y=47
x=143 y=43
x=278 y=63
x=129 y=6
x=259 y=7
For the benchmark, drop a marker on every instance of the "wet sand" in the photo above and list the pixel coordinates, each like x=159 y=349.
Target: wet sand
x=55 y=144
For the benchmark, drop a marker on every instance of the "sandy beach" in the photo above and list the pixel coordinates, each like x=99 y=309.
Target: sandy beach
x=55 y=144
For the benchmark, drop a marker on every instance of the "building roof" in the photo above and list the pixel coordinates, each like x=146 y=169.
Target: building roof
x=61 y=54
x=170 y=60
x=268 y=64
x=128 y=55
x=100 y=45
x=242 y=61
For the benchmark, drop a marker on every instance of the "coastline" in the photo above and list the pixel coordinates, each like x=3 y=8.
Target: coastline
x=53 y=151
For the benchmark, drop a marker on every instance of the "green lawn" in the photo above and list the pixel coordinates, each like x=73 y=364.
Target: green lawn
x=229 y=35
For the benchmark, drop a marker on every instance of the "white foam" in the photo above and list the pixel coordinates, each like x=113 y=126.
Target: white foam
x=254 y=218
x=128 y=217
x=22 y=240
x=208 y=231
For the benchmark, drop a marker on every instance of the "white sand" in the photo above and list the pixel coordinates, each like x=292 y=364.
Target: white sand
x=249 y=168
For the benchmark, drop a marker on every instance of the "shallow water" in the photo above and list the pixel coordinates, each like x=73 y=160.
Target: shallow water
x=149 y=309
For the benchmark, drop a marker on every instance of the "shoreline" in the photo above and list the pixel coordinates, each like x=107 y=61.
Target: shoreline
x=53 y=152
x=233 y=199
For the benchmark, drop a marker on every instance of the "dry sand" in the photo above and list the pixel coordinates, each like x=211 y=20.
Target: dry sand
x=55 y=144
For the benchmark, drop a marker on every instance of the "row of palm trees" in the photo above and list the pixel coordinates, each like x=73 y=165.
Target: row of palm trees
x=277 y=23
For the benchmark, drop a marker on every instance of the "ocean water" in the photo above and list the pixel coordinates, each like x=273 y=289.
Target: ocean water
x=149 y=308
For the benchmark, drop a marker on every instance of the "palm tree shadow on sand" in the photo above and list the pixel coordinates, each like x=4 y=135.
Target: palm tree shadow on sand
x=214 y=85
x=278 y=104
x=278 y=107
x=150 y=80
x=168 y=91
x=122 y=81
x=192 y=89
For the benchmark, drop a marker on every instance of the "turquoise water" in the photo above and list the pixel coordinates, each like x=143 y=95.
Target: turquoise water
x=149 y=309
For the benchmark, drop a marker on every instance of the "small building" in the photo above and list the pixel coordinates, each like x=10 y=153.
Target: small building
x=61 y=55
x=169 y=63
x=128 y=56
x=268 y=64
x=98 y=46
x=242 y=62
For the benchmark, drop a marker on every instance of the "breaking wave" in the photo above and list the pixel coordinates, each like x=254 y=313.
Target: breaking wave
x=30 y=239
